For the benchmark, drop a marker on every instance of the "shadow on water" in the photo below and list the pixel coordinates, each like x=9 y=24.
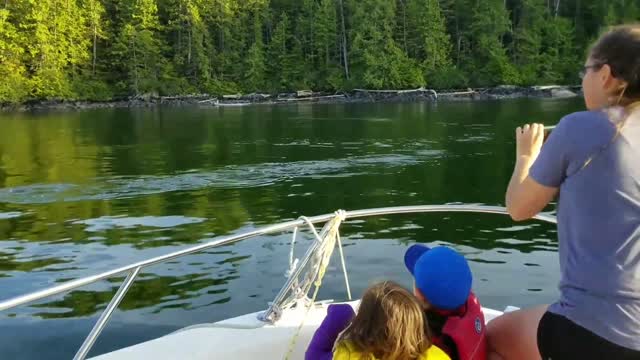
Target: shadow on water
x=84 y=192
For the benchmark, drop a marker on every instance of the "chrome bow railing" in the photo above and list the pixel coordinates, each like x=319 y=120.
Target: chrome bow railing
x=134 y=269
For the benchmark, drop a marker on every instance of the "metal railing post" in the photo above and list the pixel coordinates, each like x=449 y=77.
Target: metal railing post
x=106 y=314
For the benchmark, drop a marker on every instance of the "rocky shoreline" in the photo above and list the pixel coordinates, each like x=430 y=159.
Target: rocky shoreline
x=355 y=96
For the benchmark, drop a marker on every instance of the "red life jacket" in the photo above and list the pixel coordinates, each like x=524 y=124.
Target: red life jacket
x=465 y=327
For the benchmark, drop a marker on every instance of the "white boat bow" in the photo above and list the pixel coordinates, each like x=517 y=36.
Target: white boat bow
x=243 y=337
x=283 y=330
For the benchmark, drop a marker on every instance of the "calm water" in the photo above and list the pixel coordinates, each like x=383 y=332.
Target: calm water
x=83 y=192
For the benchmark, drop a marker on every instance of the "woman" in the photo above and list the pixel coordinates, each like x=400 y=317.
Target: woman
x=592 y=159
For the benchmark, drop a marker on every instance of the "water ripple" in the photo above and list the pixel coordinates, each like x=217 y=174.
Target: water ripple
x=109 y=222
x=234 y=176
x=10 y=215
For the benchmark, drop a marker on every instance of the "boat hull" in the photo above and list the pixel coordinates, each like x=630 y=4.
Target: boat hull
x=243 y=337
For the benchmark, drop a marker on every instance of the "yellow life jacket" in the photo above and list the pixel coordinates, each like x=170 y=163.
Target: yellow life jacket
x=346 y=351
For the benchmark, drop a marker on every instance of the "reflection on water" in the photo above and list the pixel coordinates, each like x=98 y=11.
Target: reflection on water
x=229 y=177
x=12 y=262
x=169 y=291
x=84 y=192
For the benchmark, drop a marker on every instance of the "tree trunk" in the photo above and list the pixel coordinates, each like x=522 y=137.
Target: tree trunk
x=327 y=55
x=311 y=47
x=95 y=40
x=555 y=13
x=135 y=65
x=458 y=41
x=189 y=49
x=55 y=22
x=404 y=25
x=180 y=30
x=222 y=47
x=344 y=42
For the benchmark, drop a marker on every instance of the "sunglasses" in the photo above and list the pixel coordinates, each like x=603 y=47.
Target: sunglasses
x=547 y=131
x=586 y=68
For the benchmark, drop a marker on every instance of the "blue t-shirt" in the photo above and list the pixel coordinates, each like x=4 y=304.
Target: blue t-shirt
x=598 y=222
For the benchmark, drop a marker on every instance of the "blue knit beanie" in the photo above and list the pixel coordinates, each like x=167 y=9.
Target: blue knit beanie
x=441 y=274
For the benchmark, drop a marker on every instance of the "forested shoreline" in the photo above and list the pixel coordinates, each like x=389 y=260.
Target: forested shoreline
x=99 y=50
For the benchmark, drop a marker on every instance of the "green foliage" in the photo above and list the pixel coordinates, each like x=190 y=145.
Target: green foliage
x=489 y=64
x=427 y=39
x=190 y=39
x=527 y=40
x=256 y=68
x=378 y=61
x=279 y=54
x=620 y=11
x=98 y=49
x=13 y=87
x=449 y=77
x=561 y=56
x=138 y=51
x=326 y=71
x=92 y=90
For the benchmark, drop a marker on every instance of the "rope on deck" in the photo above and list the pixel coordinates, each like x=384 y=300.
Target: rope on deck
x=323 y=255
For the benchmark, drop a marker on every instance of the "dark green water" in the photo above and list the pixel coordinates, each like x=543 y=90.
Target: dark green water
x=83 y=192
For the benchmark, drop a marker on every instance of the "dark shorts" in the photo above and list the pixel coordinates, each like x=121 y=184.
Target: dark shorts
x=561 y=339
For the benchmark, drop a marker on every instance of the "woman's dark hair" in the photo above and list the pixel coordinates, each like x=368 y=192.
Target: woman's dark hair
x=620 y=49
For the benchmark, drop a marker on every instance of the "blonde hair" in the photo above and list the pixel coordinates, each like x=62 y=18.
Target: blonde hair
x=390 y=324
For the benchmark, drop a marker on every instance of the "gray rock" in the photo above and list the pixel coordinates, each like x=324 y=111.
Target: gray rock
x=562 y=93
x=362 y=96
x=506 y=87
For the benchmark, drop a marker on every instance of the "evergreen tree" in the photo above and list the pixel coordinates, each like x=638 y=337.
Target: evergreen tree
x=527 y=40
x=278 y=54
x=305 y=30
x=255 y=68
x=95 y=49
x=138 y=49
x=13 y=87
x=55 y=44
x=327 y=65
x=620 y=11
x=428 y=41
x=561 y=57
x=94 y=12
x=230 y=48
x=191 y=40
x=489 y=64
x=378 y=62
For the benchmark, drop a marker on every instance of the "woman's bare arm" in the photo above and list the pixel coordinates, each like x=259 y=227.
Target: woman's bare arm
x=525 y=197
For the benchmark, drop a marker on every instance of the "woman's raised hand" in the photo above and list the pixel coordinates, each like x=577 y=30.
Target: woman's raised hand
x=529 y=139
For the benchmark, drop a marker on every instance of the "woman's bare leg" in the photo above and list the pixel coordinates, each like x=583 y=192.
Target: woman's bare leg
x=513 y=336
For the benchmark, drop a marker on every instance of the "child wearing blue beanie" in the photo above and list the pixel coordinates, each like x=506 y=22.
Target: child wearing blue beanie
x=442 y=276
x=443 y=281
